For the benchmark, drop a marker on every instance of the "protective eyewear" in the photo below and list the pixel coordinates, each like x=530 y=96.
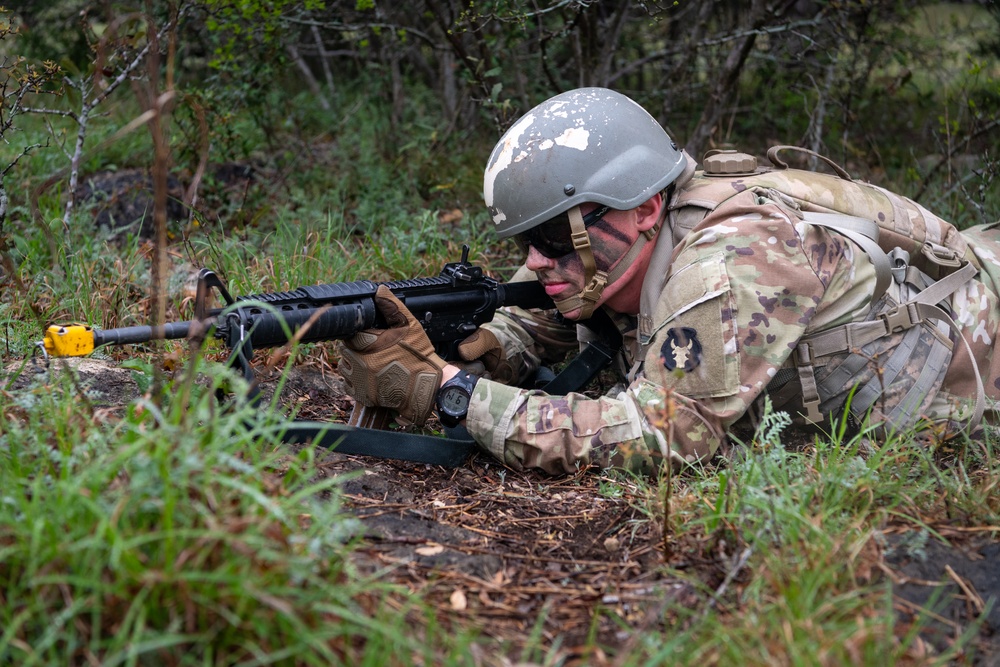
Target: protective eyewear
x=554 y=238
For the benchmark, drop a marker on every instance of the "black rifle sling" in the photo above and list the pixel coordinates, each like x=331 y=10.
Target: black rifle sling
x=594 y=358
x=452 y=452
x=345 y=439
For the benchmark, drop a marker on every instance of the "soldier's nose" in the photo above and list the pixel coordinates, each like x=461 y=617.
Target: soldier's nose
x=536 y=261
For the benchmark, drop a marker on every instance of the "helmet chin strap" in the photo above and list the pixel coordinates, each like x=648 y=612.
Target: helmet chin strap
x=594 y=279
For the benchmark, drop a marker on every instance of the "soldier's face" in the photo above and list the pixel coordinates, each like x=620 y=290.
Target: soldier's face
x=563 y=277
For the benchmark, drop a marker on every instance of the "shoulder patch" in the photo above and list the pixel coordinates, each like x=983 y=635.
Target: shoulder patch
x=681 y=349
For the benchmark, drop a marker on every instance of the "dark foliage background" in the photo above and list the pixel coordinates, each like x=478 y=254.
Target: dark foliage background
x=904 y=92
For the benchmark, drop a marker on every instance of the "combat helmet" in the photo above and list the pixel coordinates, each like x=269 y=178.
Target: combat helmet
x=585 y=145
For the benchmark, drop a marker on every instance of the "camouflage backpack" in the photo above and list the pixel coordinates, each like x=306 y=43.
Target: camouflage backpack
x=885 y=370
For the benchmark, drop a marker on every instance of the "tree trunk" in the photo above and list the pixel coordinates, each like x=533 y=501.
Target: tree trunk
x=729 y=75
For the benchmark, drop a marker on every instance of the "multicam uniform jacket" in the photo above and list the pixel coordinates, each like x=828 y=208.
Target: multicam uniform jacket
x=748 y=280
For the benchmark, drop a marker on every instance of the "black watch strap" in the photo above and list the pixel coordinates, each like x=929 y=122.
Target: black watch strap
x=454 y=396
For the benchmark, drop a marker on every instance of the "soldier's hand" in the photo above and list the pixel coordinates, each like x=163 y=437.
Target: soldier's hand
x=394 y=367
x=484 y=347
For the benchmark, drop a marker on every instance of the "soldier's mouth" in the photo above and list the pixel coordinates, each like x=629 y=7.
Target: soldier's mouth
x=554 y=289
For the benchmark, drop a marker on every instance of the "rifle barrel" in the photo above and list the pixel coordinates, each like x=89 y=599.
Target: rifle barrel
x=141 y=334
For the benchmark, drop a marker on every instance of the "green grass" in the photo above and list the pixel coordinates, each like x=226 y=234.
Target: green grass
x=801 y=529
x=186 y=534
x=181 y=534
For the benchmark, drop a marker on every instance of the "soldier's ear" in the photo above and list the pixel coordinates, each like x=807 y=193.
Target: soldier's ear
x=648 y=212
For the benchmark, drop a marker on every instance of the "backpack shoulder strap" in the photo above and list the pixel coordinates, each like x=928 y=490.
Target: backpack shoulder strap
x=865 y=234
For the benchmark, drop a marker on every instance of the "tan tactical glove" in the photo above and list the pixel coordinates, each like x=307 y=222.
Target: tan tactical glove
x=484 y=347
x=395 y=367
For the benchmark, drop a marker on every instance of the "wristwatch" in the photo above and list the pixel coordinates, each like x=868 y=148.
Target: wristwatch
x=453 y=398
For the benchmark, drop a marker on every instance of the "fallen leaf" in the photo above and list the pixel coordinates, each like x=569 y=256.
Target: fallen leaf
x=430 y=550
x=458 y=601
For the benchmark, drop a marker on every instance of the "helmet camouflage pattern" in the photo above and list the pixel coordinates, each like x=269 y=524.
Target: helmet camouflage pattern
x=585 y=145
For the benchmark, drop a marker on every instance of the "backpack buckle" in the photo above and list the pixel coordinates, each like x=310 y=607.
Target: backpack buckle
x=807 y=382
x=900 y=318
x=941 y=256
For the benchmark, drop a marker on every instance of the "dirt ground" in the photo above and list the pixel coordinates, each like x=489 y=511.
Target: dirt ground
x=522 y=555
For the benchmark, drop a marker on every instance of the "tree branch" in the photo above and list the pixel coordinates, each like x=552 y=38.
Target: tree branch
x=715 y=40
x=25 y=151
x=946 y=158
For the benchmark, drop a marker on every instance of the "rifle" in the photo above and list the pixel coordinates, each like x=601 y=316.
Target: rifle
x=449 y=306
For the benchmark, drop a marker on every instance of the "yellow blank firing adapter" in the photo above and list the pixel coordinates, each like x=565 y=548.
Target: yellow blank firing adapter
x=75 y=340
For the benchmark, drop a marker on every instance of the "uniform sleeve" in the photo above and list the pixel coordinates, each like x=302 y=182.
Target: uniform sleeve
x=530 y=429
x=746 y=284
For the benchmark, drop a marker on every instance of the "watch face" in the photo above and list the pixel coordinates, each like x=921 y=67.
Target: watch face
x=454 y=400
